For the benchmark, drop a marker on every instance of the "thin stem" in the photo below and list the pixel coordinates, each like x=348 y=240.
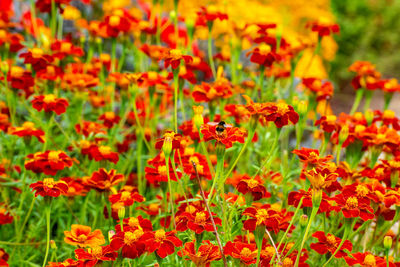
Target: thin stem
x=273 y=244
x=171 y=202
x=210 y=214
x=357 y=100
x=210 y=54
x=176 y=86
x=47 y=211
x=313 y=213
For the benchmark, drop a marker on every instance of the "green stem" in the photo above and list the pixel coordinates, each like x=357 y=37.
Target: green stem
x=47 y=211
x=347 y=229
x=313 y=214
x=357 y=100
x=53 y=18
x=210 y=54
x=176 y=86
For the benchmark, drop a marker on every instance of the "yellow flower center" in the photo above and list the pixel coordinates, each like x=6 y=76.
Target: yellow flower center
x=261 y=215
x=53 y=155
x=109 y=115
x=82 y=238
x=287 y=262
x=133 y=222
x=65 y=47
x=152 y=75
x=131 y=237
x=153 y=207
x=97 y=251
x=264 y=49
x=268 y=252
x=331 y=240
x=361 y=190
x=28 y=125
x=369 y=260
x=246 y=252
x=49 y=98
x=48 y=182
x=200 y=218
x=388 y=114
x=352 y=202
x=160 y=235
x=252 y=183
x=331 y=118
x=16 y=71
x=175 y=53
x=282 y=108
x=162 y=170
x=190 y=209
x=104 y=149
x=37 y=52
x=125 y=195
x=114 y=21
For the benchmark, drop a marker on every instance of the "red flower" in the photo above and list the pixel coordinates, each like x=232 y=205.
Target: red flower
x=366 y=259
x=246 y=253
x=206 y=253
x=353 y=207
x=119 y=22
x=323 y=90
x=323 y=27
x=82 y=236
x=163 y=243
x=5 y=217
x=294 y=200
x=49 y=162
x=310 y=157
x=63 y=48
x=109 y=119
x=131 y=243
x=226 y=135
x=95 y=255
x=261 y=217
x=169 y=136
x=88 y=127
x=197 y=221
x=3 y=258
x=126 y=197
x=134 y=223
x=66 y=263
x=50 y=103
x=174 y=57
x=159 y=174
x=210 y=13
x=329 y=243
x=27 y=129
x=328 y=123
x=281 y=113
x=264 y=56
x=49 y=187
x=206 y=92
x=21 y=79
x=103 y=180
x=253 y=186
x=99 y=153
x=37 y=58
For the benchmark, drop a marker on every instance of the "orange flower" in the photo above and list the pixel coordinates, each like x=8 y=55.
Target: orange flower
x=174 y=57
x=222 y=133
x=206 y=253
x=221 y=88
x=36 y=58
x=103 y=180
x=49 y=162
x=264 y=55
x=27 y=129
x=50 y=103
x=49 y=187
x=82 y=236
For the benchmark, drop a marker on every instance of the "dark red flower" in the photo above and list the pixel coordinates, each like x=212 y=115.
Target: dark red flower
x=206 y=253
x=163 y=243
x=49 y=187
x=49 y=162
x=95 y=255
x=328 y=243
x=246 y=253
x=227 y=137
x=50 y=103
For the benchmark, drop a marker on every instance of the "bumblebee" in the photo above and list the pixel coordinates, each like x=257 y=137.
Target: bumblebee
x=221 y=127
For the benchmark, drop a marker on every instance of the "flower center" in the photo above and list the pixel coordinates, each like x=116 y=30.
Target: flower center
x=200 y=218
x=153 y=207
x=28 y=125
x=252 y=183
x=352 y=202
x=125 y=195
x=82 y=238
x=152 y=75
x=287 y=262
x=160 y=235
x=49 y=98
x=131 y=237
x=37 y=52
x=190 y=209
x=246 y=252
x=104 y=149
x=65 y=47
x=261 y=216
x=331 y=240
x=48 y=182
x=361 y=190
x=282 y=108
x=175 y=53
x=268 y=252
x=133 y=222
x=109 y=115
x=369 y=261
x=16 y=71
x=264 y=49
x=388 y=114
x=331 y=118
x=97 y=252
x=162 y=170
x=53 y=155
x=114 y=21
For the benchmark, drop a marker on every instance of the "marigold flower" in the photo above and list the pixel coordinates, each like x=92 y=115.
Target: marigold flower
x=323 y=27
x=49 y=187
x=328 y=243
x=37 y=58
x=131 y=243
x=109 y=119
x=264 y=55
x=50 y=103
x=127 y=196
x=82 y=236
x=323 y=90
x=261 y=217
x=367 y=259
x=253 y=186
x=95 y=255
x=246 y=253
x=88 y=127
x=4 y=258
x=320 y=178
x=103 y=180
x=211 y=13
x=134 y=223
x=198 y=221
x=227 y=136
x=353 y=207
x=310 y=157
x=118 y=22
x=48 y=162
x=27 y=129
x=206 y=253
x=5 y=217
x=99 y=153
x=206 y=92
x=163 y=243
x=174 y=57
x=66 y=263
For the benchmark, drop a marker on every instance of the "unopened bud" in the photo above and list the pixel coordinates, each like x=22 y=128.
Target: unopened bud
x=303 y=220
x=387 y=242
x=369 y=116
x=172 y=14
x=121 y=213
x=53 y=244
x=316 y=197
x=302 y=107
x=111 y=233
x=167 y=145
x=343 y=134
x=198 y=119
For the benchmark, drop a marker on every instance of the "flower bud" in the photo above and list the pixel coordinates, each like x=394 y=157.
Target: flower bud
x=303 y=220
x=302 y=107
x=316 y=197
x=387 y=242
x=111 y=233
x=198 y=119
x=343 y=134
x=167 y=145
x=53 y=244
x=121 y=213
x=369 y=116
